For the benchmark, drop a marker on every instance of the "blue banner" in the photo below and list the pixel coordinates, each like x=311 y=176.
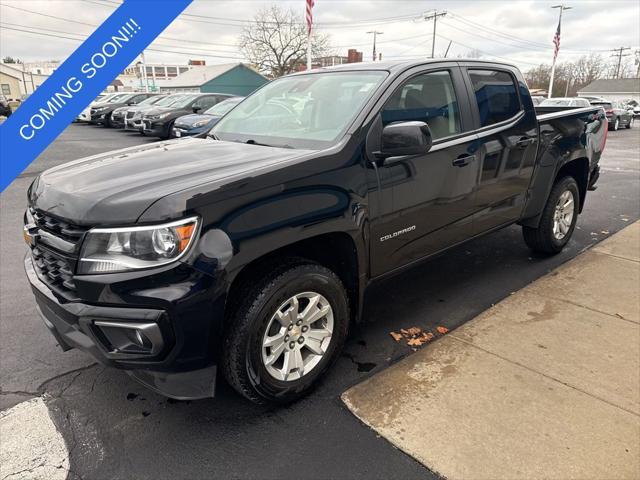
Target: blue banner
x=74 y=85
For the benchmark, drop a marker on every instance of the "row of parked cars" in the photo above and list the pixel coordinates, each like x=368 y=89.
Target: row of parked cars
x=618 y=114
x=160 y=115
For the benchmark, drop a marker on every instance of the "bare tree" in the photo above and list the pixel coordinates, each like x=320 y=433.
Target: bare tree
x=570 y=77
x=276 y=41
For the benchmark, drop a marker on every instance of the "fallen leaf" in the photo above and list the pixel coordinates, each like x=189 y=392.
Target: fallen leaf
x=442 y=330
x=413 y=331
x=606 y=232
x=396 y=336
x=404 y=332
x=415 y=342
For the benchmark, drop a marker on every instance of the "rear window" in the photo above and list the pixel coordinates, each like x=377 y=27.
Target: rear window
x=606 y=106
x=496 y=94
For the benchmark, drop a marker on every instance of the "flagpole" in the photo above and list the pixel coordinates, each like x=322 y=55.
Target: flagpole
x=309 y=18
x=555 y=56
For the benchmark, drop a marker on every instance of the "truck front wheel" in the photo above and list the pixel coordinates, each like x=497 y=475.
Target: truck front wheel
x=558 y=219
x=286 y=332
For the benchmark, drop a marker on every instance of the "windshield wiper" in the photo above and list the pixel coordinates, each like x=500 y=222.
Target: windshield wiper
x=253 y=142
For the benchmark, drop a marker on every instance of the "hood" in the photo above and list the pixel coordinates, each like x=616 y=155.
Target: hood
x=115 y=188
x=189 y=120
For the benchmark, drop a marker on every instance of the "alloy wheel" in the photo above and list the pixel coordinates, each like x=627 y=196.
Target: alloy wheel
x=563 y=215
x=297 y=336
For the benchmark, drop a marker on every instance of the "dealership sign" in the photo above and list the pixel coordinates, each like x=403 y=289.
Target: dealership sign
x=86 y=73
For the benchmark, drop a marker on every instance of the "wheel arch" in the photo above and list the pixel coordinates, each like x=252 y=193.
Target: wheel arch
x=337 y=251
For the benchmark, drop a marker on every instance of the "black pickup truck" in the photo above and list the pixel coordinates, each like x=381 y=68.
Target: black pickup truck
x=249 y=249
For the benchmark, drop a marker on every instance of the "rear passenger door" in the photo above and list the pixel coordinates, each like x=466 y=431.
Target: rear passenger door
x=507 y=131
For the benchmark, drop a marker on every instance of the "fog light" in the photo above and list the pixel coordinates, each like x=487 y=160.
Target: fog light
x=129 y=338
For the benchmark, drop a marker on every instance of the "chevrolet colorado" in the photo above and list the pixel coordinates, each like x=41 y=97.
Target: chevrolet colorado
x=249 y=249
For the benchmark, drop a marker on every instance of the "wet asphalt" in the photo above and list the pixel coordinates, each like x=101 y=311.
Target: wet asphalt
x=115 y=428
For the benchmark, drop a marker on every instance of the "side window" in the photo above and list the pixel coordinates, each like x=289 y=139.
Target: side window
x=428 y=98
x=206 y=103
x=496 y=94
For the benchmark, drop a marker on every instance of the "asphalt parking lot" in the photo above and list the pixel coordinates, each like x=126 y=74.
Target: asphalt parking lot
x=115 y=428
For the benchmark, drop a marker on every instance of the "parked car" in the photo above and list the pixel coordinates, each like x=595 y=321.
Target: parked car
x=573 y=102
x=158 y=122
x=636 y=111
x=85 y=115
x=248 y=251
x=118 y=116
x=195 y=124
x=133 y=117
x=617 y=115
x=101 y=113
x=5 y=109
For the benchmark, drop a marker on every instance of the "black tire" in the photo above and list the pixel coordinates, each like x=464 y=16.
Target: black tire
x=629 y=124
x=616 y=125
x=542 y=238
x=242 y=363
x=107 y=121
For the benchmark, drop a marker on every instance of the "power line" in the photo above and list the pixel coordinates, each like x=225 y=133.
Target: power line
x=67 y=37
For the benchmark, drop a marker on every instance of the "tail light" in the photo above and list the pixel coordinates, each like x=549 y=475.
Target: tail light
x=609 y=112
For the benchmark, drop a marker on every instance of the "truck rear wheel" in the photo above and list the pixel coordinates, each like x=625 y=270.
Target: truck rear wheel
x=288 y=329
x=558 y=219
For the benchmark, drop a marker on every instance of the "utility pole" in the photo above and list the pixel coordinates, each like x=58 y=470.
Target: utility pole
x=620 y=55
x=144 y=73
x=556 y=50
x=375 y=34
x=433 y=15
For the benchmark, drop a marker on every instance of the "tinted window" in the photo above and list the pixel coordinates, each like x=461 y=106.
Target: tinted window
x=428 y=98
x=496 y=95
x=206 y=102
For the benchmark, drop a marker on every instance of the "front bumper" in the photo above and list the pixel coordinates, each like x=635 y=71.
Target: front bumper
x=158 y=128
x=181 y=131
x=183 y=365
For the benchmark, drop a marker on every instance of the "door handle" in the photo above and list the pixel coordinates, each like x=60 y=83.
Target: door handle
x=463 y=160
x=524 y=142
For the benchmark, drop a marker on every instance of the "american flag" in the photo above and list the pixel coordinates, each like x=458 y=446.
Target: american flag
x=309 y=15
x=556 y=43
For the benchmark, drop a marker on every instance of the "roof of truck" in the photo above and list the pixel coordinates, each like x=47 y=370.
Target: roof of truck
x=401 y=65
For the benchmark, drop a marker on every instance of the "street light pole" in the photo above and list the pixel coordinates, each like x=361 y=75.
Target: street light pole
x=562 y=8
x=375 y=34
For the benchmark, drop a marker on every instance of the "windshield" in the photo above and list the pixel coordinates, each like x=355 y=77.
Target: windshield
x=223 y=107
x=300 y=111
x=168 y=100
x=183 y=101
x=149 y=100
x=118 y=98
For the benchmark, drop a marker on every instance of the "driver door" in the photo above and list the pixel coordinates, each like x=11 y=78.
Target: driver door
x=428 y=198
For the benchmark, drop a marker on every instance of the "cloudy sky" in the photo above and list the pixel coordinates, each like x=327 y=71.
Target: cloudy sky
x=518 y=31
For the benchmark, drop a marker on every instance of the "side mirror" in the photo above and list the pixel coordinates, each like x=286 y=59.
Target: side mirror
x=404 y=138
x=196 y=109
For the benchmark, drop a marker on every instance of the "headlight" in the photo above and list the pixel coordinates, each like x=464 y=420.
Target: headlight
x=110 y=250
x=200 y=123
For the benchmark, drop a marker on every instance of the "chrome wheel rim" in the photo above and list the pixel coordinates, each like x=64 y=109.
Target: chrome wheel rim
x=563 y=215
x=297 y=336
